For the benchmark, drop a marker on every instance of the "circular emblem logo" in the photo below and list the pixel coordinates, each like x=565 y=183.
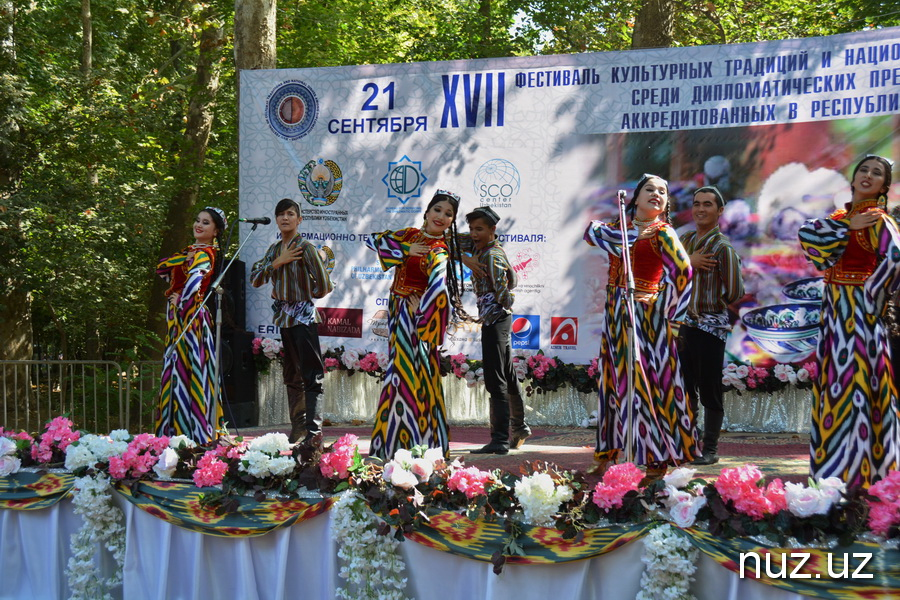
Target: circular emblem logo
x=521 y=327
x=291 y=109
x=327 y=255
x=320 y=182
x=497 y=180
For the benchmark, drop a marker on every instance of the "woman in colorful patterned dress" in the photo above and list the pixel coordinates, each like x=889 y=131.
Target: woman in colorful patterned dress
x=425 y=287
x=855 y=432
x=187 y=383
x=662 y=425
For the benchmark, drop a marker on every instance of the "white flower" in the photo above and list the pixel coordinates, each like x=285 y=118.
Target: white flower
x=832 y=487
x=804 y=501
x=685 y=513
x=383 y=360
x=402 y=478
x=282 y=466
x=675 y=496
x=403 y=457
x=802 y=374
x=470 y=377
x=679 y=477
x=272 y=444
x=730 y=368
x=9 y=464
x=434 y=455
x=742 y=371
x=79 y=456
x=178 y=440
x=540 y=498
x=351 y=359
x=464 y=368
x=7 y=446
x=670 y=563
x=422 y=468
x=165 y=466
x=120 y=435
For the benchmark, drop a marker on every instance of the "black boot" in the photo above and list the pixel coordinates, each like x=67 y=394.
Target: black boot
x=520 y=429
x=712 y=427
x=313 y=421
x=499 y=429
x=297 y=408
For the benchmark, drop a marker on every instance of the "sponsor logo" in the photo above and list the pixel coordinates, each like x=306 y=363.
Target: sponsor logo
x=292 y=109
x=564 y=333
x=341 y=322
x=525 y=332
x=404 y=179
x=524 y=262
x=497 y=182
x=378 y=324
x=320 y=182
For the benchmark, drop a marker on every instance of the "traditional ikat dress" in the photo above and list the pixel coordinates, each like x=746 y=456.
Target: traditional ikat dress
x=855 y=434
x=187 y=382
x=411 y=406
x=663 y=424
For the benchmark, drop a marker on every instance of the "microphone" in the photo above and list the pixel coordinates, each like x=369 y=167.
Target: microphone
x=622 y=195
x=257 y=220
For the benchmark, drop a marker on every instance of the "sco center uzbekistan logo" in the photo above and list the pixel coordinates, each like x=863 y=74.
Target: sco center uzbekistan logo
x=320 y=182
x=496 y=182
x=404 y=179
x=291 y=109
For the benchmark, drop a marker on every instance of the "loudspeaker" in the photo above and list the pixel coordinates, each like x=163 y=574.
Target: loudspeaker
x=239 y=401
x=234 y=300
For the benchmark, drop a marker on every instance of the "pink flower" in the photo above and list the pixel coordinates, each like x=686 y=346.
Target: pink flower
x=139 y=458
x=812 y=367
x=210 y=470
x=57 y=437
x=256 y=345
x=369 y=363
x=332 y=363
x=340 y=459
x=617 y=481
x=469 y=481
x=743 y=487
x=593 y=369
x=884 y=512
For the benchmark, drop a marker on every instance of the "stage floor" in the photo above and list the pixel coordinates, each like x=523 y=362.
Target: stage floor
x=784 y=455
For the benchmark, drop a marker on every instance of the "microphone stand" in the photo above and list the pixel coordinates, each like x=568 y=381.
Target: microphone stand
x=632 y=351
x=216 y=288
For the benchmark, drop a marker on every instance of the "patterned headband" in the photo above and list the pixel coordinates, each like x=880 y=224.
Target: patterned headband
x=652 y=176
x=219 y=212
x=448 y=194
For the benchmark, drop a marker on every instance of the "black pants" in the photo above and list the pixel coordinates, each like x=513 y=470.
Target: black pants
x=507 y=407
x=303 y=374
x=702 y=355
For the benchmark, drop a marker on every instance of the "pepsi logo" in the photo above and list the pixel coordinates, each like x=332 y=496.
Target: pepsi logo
x=563 y=331
x=525 y=332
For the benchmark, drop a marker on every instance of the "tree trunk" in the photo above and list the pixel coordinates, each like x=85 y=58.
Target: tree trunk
x=655 y=25
x=484 y=11
x=87 y=39
x=254 y=39
x=190 y=163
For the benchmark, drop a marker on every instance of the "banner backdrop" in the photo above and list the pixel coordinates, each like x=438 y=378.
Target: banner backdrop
x=546 y=141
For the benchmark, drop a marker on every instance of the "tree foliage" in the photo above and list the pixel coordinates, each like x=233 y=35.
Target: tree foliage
x=90 y=164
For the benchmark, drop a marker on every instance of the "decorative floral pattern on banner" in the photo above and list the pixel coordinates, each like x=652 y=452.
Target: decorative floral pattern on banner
x=179 y=504
x=34 y=491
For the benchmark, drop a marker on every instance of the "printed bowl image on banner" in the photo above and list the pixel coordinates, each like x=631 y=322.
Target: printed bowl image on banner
x=292 y=109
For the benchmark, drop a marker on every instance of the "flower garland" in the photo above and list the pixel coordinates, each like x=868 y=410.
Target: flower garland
x=372 y=565
x=103 y=523
x=671 y=561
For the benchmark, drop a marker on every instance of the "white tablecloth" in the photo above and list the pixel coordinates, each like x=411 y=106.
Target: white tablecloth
x=164 y=562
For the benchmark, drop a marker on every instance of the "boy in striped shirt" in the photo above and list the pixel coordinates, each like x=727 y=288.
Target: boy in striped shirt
x=298 y=277
x=717 y=283
x=494 y=280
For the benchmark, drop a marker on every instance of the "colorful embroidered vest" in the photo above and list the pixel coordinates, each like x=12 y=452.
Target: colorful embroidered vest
x=646 y=262
x=179 y=273
x=411 y=278
x=859 y=259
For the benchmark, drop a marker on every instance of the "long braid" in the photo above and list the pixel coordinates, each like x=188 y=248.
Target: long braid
x=455 y=289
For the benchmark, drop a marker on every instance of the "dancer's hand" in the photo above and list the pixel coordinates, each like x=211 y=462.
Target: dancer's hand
x=474 y=265
x=289 y=254
x=863 y=220
x=173 y=299
x=702 y=261
x=644 y=297
x=413 y=302
x=417 y=249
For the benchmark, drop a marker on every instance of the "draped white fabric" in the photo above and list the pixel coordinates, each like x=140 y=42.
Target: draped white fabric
x=164 y=562
x=354 y=398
